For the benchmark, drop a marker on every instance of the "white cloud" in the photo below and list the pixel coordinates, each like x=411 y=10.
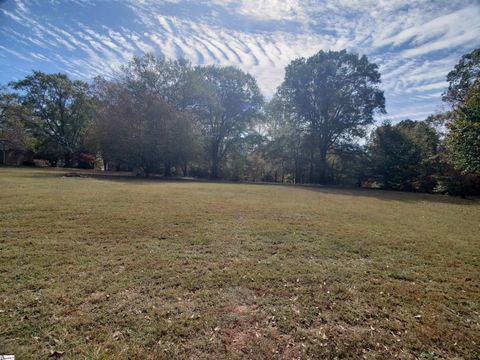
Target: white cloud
x=415 y=43
x=267 y=9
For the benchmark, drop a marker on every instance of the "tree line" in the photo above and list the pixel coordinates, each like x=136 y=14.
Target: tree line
x=170 y=118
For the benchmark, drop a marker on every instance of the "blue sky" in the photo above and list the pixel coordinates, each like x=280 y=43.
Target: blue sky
x=415 y=43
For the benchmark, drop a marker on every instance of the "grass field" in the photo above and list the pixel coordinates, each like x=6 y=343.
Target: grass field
x=102 y=268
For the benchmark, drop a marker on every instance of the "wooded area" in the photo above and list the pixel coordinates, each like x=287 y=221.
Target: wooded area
x=168 y=117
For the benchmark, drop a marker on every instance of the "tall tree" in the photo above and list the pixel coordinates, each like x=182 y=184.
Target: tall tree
x=140 y=129
x=174 y=81
x=178 y=84
x=464 y=137
x=14 y=118
x=394 y=157
x=285 y=149
x=334 y=95
x=227 y=105
x=63 y=107
x=462 y=77
x=427 y=140
x=464 y=127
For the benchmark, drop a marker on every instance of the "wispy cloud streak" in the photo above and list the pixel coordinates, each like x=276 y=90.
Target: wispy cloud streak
x=415 y=43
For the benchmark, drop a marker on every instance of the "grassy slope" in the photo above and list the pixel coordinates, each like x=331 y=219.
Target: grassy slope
x=98 y=268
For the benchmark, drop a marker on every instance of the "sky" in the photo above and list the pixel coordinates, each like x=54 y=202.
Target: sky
x=414 y=43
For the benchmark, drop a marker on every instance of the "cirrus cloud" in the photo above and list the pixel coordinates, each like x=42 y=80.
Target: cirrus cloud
x=414 y=43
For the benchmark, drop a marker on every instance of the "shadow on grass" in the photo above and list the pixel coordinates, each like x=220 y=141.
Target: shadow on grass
x=412 y=197
x=127 y=177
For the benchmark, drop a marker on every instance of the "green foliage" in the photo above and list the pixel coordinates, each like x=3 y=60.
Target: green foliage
x=62 y=107
x=462 y=77
x=394 y=157
x=349 y=163
x=470 y=110
x=227 y=106
x=140 y=130
x=216 y=108
x=173 y=80
x=404 y=156
x=464 y=145
x=333 y=96
x=167 y=116
x=427 y=140
x=14 y=118
x=463 y=140
x=286 y=146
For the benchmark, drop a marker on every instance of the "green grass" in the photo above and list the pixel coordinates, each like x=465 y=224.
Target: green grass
x=105 y=268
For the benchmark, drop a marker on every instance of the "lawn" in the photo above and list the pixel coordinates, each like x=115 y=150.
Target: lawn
x=117 y=268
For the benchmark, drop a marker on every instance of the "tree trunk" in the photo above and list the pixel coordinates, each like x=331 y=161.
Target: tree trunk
x=167 y=171
x=322 y=176
x=215 y=162
x=105 y=164
x=4 y=154
x=67 y=160
x=311 y=180
x=185 y=169
x=214 y=169
x=283 y=172
x=296 y=176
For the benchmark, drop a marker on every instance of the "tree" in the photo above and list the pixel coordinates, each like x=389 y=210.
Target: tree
x=463 y=140
x=471 y=109
x=464 y=146
x=178 y=84
x=460 y=170
x=140 y=129
x=130 y=129
x=427 y=140
x=462 y=77
x=14 y=133
x=393 y=157
x=334 y=96
x=405 y=156
x=63 y=108
x=227 y=105
x=464 y=137
x=350 y=164
x=286 y=148
x=175 y=81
